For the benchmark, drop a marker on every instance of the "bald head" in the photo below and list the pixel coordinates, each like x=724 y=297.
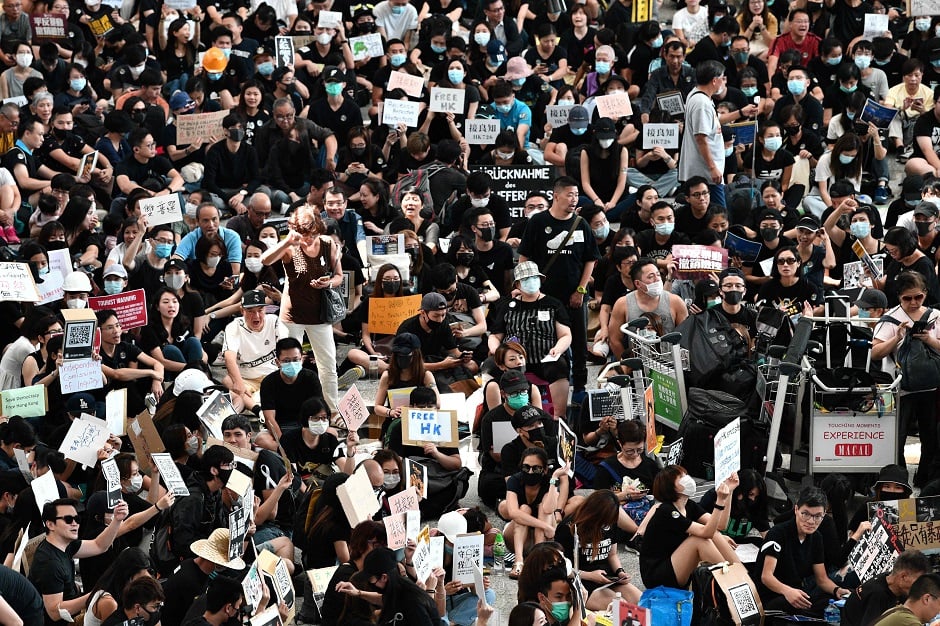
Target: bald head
x=374 y=470
x=259 y=209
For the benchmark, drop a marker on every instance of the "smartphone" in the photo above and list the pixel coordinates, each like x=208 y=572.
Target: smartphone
x=920 y=327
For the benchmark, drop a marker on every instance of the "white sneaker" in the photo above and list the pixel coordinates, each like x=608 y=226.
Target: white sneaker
x=350 y=376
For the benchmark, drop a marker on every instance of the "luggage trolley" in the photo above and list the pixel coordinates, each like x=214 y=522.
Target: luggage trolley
x=780 y=386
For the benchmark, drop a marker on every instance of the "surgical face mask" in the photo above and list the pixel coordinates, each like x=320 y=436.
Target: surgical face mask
x=112 y=287
x=226 y=52
x=654 y=290
x=713 y=302
x=796 y=86
x=398 y=59
x=269 y=242
x=561 y=611
x=605 y=143
x=438 y=49
x=174 y=281
x=658 y=42
x=482 y=38
x=455 y=76
x=291 y=369
x=137 y=482
x=863 y=61
x=602 y=231
x=935 y=62
x=769 y=234
x=740 y=57
x=236 y=134
x=77 y=84
x=687 y=483
x=397 y=10
x=845 y=159
x=192 y=445
x=324 y=39
x=773 y=143
x=503 y=108
x=922 y=24
x=733 y=297
x=578 y=131
x=137 y=69
x=391 y=481
x=518 y=82
x=214 y=75
x=665 y=229
x=76 y=303
x=834 y=60
x=317 y=427
x=845 y=89
x=864 y=313
x=530 y=285
x=213 y=261
x=334 y=89
x=729 y=151
x=24 y=60
x=923 y=228
x=602 y=67
x=750 y=92
x=391 y=287
x=517 y=401
x=266 y=68
x=860 y=229
x=850 y=114
x=564 y=102
x=253 y=264
x=43 y=270
x=505 y=156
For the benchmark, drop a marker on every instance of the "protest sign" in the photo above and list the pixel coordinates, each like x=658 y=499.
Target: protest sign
x=115 y=411
x=728 y=450
x=875 y=25
x=80 y=375
x=251 y=588
x=866 y=259
x=437 y=551
x=17 y=284
x=213 y=412
x=877 y=113
x=171 y=474
x=181 y=5
x=445 y=100
x=130 y=306
x=468 y=554
x=409 y=83
x=740 y=247
x=48 y=26
x=358 y=499
x=743 y=132
x=243 y=456
x=412 y=523
x=320 y=581
x=671 y=102
x=396 y=112
x=385 y=244
x=22 y=463
x=60 y=266
x=695 y=262
x=876 y=550
x=238 y=529
x=83 y=440
x=101 y=26
x=557 y=114
x=417 y=476
x=330 y=19
x=79 y=338
x=854 y=276
x=387 y=314
x=649 y=397
x=421 y=426
x=405 y=500
x=503 y=433
x=145 y=439
x=396 y=530
x=162 y=209
x=45 y=489
x=567 y=445
x=399 y=397
x=515 y=182
x=422 y=554
x=284 y=51
x=674 y=455
x=366 y=46
x=614 y=106
x=195 y=128
x=353 y=409
x=112 y=476
x=283 y=585
x=268 y=617
x=302 y=41
x=663 y=135
x=481 y=132
x=87 y=165
x=924 y=7
x=602 y=403
x=239 y=482
x=24 y=401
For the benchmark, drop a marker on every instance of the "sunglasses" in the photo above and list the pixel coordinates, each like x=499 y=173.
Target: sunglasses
x=787 y=261
x=532 y=469
x=69 y=519
x=915 y=298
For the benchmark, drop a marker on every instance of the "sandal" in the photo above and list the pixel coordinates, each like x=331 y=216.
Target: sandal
x=516 y=571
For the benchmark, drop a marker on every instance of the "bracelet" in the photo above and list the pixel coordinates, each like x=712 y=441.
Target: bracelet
x=718 y=507
x=834 y=592
x=619 y=569
x=157 y=507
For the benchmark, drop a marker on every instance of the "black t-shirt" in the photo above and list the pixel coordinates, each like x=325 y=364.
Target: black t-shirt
x=137 y=172
x=768 y=170
x=333 y=601
x=809 y=141
x=498 y=263
x=646 y=242
x=22 y=597
x=645 y=472
x=588 y=559
x=181 y=589
x=665 y=533
x=285 y=399
x=687 y=223
x=53 y=571
x=498 y=414
x=532 y=322
x=836 y=99
x=740 y=522
x=305 y=458
x=563 y=134
x=790 y=299
x=511 y=454
x=848 y=22
x=705 y=50
x=436 y=343
x=795 y=559
x=869 y=601
x=926 y=125
x=544 y=235
x=614 y=289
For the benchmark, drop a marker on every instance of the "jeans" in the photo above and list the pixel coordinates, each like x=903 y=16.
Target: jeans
x=879 y=169
x=717 y=193
x=462 y=608
x=663 y=185
x=324 y=350
x=191 y=350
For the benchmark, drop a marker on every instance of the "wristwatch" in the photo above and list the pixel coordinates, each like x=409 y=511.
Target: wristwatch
x=582 y=290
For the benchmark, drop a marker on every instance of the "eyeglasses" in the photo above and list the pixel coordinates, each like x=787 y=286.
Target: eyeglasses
x=811 y=517
x=787 y=261
x=632 y=450
x=284 y=118
x=533 y=469
x=914 y=298
x=69 y=519
x=700 y=194
x=338 y=204
x=13 y=122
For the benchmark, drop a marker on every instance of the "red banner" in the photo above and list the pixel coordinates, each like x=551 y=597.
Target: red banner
x=130 y=306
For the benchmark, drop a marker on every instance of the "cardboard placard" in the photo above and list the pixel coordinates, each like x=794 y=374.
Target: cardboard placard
x=417 y=476
x=270 y=616
x=17 y=284
x=385 y=244
x=674 y=454
x=79 y=339
x=48 y=26
x=413 y=523
x=503 y=433
x=614 y=106
x=163 y=209
x=396 y=112
x=145 y=439
x=301 y=41
x=567 y=447
x=85 y=437
x=247 y=457
x=663 y=135
x=387 y=314
x=410 y=84
x=481 y=132
x=420 y=426
x=130 y=306
x=196 y=127
x=437 y=551
x=213 y=412
x=697 y=262
x=320 y=581
x=650 y=403
x=239 y=482
x=116 y=411
x=875 y=25
x=60 y=266
x=422 y=554
x=866 y=259
x=445 y=100
x=353 y=409
x=24 y=401
x=366 y=46
x=396 y=530
x=112 y=475
x=557 y=114
x=399 y=397
x=284 y=51
x=276 y=569
x=876 y=551
x=80 y=375
x=358 y=498
x=728 y=451
x=924 y=7
x=403 y=501
x=170 y=474
x=101 y=26
x=468 y=555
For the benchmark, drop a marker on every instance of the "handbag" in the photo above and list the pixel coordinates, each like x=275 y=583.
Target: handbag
x=332 y=306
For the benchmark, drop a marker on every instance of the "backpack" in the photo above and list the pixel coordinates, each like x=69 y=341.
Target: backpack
x=303 y=514
x=161 y=552
x=419 y=178
x=725 y=596
x=918 y=363
x=445 y=488
x=715 y=348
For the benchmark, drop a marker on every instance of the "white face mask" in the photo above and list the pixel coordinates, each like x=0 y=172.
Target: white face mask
x=137 y=69
x=213 y=261
x=605 y=143
x=317 y=427
x=24 y=60
x=253 y=264
x=270 y=242
x=174 y=281
x=479 y=202
x=654 y=290
x=324 y=39
x=688 y=486
x=137 y=482
x=76 y=303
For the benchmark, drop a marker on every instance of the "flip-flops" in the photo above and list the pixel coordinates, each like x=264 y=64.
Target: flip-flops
x=516 y=570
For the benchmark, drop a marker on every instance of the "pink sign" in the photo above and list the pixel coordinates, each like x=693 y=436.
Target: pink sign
x=130 y=306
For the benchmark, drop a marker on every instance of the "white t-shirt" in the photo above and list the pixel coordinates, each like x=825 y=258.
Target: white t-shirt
x=396 y=26
x=701 y=118
x=877 y=83
x=824 y=172
x=254 y=352
x=887 y=331
x=694 y=26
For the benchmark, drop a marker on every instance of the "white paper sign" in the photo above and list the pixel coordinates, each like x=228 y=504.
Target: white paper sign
x=45 y=489
x=875 y=25
x=16 y=280
x=170 y=473
x=614 y=106
x=728 y=451
x=80 y=375
x=445 y=100
x=409 y=83
x=468 y=555
x=412 y=524
x=22 y=462
x=60 y=266
x=557 y=114
x=396 y=112
x=663 y=135
x=503 y=433
x=115 y=411
x=422 y=555
x=481 y=132
x=330 y=19
x=112 y=475
x=161 y=209
x=367 y=46
x=437 y=552
x=85 y=437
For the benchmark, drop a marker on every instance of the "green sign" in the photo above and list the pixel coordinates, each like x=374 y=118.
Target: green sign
x=666 y=399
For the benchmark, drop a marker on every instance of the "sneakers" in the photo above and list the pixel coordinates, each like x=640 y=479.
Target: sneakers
x=9 y=235
x=905 y=153
x=881 y=195
x=350 y=376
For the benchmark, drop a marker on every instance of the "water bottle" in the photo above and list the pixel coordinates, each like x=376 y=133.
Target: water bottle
x=373 y=367
x=499 y=554
x=832 y=613
x=614 y=610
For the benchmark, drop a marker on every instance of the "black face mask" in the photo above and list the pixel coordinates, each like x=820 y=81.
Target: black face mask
x=153 y=618
x=923 y=228
x=224 y=475
x=138 y=117
x=365 y=27
x=734 y=297
x=449 y=296
x=56 y=245
x=536 y=434
x=488 y=233
x=391 y=287
x=402 y=361
x=433 y=324
x=531 y=480
x=357 y=151
x=60 y=133
x=413 y=253
x=769 y=234
x=465 y=258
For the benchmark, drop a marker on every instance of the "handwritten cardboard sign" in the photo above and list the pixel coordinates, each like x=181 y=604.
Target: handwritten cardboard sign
x=45 y=489
x=196 y=127
x=366 y=46
x=468 y=555
x=85 y=437
x=422 y=555
x=24 y=401
x=330 y=19
x=557 y=114
x=396 y=112
x=663 y=135
x=80 y=375
x=181 y=5
x=445 y=100
x=480 y=132
x=145 y=439
x=130 y=306
x=875 y=25
x=421 y=426
x=320 y=581
x=162 y=209
x=387 y=314
x=407 y=500
x=396 y=530
x=410 y=84
x=357 y=498
x=728 y=450
x=17 y=284
x=60 y=266
x=353 y=409
x=924 y=7
x=614 y=106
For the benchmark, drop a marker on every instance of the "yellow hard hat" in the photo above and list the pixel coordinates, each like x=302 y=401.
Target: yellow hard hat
x=214 y=60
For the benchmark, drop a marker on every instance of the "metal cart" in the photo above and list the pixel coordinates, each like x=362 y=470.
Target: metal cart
x=780 y=386
x=664 y=361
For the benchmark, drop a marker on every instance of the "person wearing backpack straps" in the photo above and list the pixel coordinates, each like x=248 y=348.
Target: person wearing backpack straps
x=890 y=334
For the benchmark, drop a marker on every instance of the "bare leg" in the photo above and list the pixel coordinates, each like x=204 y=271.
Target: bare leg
x=724 y=546
x=690 y=553
x=284 y=548
x=559 y=390
x=265 y=440
x=626 y=523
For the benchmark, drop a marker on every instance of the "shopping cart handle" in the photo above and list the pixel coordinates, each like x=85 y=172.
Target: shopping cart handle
x=776 y=352
x=632 y=363
x=672 y=338
x=789 y=369
x=639 y=323
x=621 y=380
x=822 y=387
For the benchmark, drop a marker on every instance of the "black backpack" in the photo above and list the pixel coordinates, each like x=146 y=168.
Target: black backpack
x=918 y=363
x=710 y=603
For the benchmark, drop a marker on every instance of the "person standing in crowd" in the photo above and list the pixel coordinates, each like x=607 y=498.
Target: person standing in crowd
x=703 y=148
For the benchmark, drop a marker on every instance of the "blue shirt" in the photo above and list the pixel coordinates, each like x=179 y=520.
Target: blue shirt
x=520 y=113
x=233 y=245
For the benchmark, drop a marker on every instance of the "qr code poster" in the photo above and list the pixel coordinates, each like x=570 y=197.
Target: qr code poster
x=742 y=597
x=79 y=339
